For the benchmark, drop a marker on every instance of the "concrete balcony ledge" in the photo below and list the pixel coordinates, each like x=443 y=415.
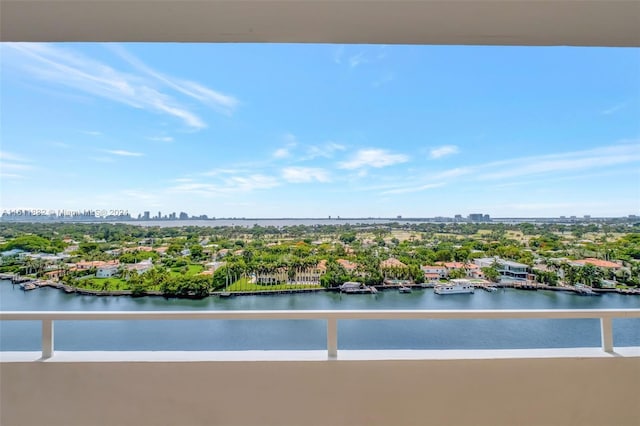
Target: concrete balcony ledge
x=578 y=386
x=315 y=355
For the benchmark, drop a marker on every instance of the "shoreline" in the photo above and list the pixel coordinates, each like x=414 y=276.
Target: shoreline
x=221 y=293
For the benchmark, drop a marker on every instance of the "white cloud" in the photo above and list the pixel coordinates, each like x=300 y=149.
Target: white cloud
x=102 y=159
x=65 y=67
x=384 y=79
x=161 y=138
x=7 y=156
x=560 y=163
x=218 y=172
x=305 y=174
x=92 y=133
x=61 y=145
x=11 y=163
x=373 y=158
x=11 y=176
x=123 y=153
x=326 y=150
x=357 y=59
x=255 y=181
x=192 y=89
x=552 y=167
x=226 y=186
x=284 y=152
x=413 y=188
x=612 y=110
x=443 y=151
x=281 y=153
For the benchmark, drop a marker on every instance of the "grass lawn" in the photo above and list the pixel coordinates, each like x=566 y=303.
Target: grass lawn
x=244 y=285
x=192 y=270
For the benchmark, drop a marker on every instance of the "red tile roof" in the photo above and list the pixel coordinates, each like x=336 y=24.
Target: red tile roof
x=597 y=262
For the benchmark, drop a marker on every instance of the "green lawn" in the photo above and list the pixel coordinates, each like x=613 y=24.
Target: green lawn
x=244 y=285
x=192 y=270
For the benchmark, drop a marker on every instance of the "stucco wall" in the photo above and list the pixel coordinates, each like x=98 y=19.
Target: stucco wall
x=592 y=391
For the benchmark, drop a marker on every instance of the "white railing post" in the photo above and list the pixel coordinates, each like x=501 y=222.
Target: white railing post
x=606 y=330
x=332 y=337
x=47 y=338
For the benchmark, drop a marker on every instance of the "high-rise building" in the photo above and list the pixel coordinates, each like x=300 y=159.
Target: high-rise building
x=146 y=215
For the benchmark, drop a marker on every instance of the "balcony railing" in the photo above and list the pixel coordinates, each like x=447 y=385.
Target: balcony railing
x=331 y=317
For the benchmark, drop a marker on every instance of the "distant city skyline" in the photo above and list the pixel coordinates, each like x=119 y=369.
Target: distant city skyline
x=312 y=131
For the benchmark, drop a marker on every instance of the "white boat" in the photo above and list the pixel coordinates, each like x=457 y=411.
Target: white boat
x=457 y=286
x=28 y=286
x=355 y=287
x=403 y=289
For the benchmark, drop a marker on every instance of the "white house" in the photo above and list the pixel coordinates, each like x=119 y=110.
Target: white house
x=434 y=272
x=509 y=271
x=106 y=271
x=141 y=267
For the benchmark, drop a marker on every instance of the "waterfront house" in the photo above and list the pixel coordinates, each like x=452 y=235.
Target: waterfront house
x=471 y=270
x=273 y=276
x=86 y=265
x=508 y=270
x=434 y=272
x=393 y=268
x=141 y=267
x=106 y=271
x=599 y=263
x=347 y=265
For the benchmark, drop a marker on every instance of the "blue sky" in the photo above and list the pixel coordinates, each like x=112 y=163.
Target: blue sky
x=317 y=130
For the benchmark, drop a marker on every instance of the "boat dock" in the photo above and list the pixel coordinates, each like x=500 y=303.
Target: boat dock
x=486 y=287
x=259 y=292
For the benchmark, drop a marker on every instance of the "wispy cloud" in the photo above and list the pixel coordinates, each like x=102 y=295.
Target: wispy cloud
x=612 y=110
x=443 y=151
x=413 y=188
x=376 y=158
x=305 y=174
x=123 y=153
x=560 y=163
x=227 y=171
x=326 y=150
x=357 y=59
x=552 y=166
x=60 y=145
x=216 y=99
x=364 y=55
x=290 y=142
x=102 y=159
x=281 y=153
x=161 y=139
x=12 y=164
x=91 y=132
x=65 y=67
x=226 y=186
x=384 y=79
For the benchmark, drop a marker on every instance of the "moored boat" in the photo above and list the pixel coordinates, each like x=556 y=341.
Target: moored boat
x=456 y=286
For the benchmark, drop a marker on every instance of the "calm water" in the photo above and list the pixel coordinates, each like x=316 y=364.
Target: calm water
x=239 y=335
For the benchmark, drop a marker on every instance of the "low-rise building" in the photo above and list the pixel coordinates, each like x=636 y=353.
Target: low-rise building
x=141 y=267
x=434 y=272
x=106 y=271
x=508 y=270
x=599 y=263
